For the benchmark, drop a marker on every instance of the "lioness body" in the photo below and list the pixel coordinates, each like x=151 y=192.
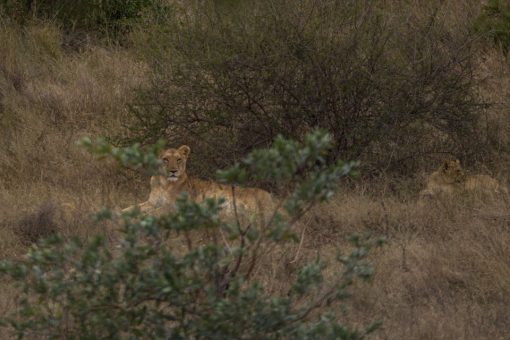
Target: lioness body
x=484 y=183
x=450 y=178
x=166 y=187
x=445 y=180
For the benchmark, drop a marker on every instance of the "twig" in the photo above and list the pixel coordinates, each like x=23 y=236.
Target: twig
x=300 y=245
x=225 y=241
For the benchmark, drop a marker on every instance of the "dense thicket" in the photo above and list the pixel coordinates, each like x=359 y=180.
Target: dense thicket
x=391 y=84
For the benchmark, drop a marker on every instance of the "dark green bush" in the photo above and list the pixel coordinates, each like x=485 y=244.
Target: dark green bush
x=149 y=288
x=391 y=84
x=494 y=22
x=109 y=17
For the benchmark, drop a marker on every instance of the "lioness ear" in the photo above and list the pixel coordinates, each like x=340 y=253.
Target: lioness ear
x=446 y=165
x=185 y=150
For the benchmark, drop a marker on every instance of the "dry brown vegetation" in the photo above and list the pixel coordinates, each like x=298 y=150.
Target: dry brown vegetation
x=443 y=274
x=49 y=99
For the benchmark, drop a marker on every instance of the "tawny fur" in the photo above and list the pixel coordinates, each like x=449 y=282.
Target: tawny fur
x=450 y=178
x=484 y=183
x=173 y=181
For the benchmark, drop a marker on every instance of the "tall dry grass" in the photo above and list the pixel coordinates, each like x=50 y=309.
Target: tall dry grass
x=49 y=98
x=444 y=273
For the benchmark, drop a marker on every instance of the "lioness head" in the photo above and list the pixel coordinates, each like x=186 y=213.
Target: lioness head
x=452 y=170
x=174 y=163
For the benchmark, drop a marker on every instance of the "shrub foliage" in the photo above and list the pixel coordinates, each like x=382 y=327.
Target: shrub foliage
x=494 y=22
x=148 y=288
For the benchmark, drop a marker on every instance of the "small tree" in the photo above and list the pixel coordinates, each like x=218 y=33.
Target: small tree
x=148 y=289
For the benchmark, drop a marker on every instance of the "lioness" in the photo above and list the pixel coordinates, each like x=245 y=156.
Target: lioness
x=173 y=180
x=450 y=178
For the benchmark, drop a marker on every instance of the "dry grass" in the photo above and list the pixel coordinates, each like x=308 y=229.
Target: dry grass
x=444 y=273
x=50 y=98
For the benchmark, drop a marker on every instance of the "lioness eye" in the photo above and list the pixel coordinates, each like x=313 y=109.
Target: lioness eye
x=165 y=160
x=179 y=160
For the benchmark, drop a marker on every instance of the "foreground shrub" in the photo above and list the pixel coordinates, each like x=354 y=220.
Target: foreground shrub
x=147 y=288
x=391 y=84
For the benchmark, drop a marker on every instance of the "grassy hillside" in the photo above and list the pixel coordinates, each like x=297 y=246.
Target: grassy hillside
x=445 y=270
